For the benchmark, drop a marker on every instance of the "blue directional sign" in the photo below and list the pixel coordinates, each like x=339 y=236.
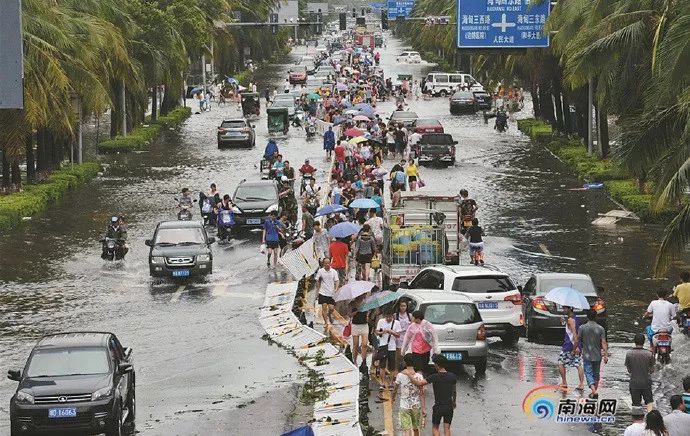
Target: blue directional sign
x=502 y=23
x=400 y=8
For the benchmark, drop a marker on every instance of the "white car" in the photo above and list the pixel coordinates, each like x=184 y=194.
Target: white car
x=498 y=300
x=410 y=57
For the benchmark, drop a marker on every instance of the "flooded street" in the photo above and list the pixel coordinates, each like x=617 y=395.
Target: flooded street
x=197 y=345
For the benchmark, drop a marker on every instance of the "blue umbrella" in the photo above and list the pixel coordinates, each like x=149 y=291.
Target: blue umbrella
x=231 y=80
x=343 y=230
x=365 y=107
x=378 y=299
x=302 y=431
x=364 y=203
x=329 y=209
x=195 y=90
x=567 y=297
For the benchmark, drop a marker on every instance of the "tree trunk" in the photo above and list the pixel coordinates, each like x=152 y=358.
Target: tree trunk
x=16 y=174
x=557 y=91
x=154 y=103
x=603 y=129
x=567 y=119
x=536 y=107
x=41 y=140
x=30 y=159
x=115 y=112
x=546 y=104
x=5 y=170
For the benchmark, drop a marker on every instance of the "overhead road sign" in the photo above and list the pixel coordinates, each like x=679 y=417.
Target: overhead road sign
x=502 y=24
x=11 y=55
x=400 y=8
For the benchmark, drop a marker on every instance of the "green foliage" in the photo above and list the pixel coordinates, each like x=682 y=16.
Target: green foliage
x=618 y=189
x=34 y=199
x=143 y=135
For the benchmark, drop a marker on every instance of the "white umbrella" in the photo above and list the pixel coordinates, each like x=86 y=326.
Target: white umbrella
x=567 y=297
x=353 y=290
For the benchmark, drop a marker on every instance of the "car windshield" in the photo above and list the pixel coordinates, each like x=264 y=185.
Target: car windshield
x=483 y=284
x=236 y=124
x=427 y=122
x=583 y=285
x=189 y=235
x=255 y=193
x=68 y=361
x=456 y=313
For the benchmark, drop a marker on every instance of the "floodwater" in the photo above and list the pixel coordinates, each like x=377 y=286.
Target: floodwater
x=197 y=345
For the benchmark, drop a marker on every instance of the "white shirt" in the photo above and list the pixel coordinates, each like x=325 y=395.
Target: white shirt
x=662 y=311
x=415 y=138
x=386 y=338
x=677 y=423
x=409 y=393
x=328 y=280
x=634 y=429
x=376 y=224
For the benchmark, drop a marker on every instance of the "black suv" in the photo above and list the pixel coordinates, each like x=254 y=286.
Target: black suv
x=80 y=382
x=180 y=249
x=436 y=148
x=254 y=201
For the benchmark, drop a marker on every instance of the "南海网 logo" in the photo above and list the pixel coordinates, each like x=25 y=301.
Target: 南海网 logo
x=541 y=402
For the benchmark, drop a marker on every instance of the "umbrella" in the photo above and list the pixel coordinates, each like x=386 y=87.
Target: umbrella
x=195 y=90
x=365 y=107
x=329 y=209
x=364 y=203
x=231 y=80
x=302 y=431
x=352 y=112
x=343 y=230
x=357 y=140
x=346 y=103
x=378 y=299
x=567 y=297
x=353 y=290
x=313 y=96
x=361 y=118
x=341 y=87
x=353 y=132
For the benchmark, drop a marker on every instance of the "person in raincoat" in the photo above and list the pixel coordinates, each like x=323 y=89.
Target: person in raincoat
x=271 y=150
x=329 y=142
x=421 y=340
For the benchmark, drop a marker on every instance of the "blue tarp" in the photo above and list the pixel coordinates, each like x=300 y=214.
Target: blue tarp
x=302 y=431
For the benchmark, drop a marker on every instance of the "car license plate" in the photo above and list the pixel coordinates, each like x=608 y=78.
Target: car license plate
x=181 y=273
x=488 y=305
x=663 y=343
x=253 y=220
x=233 y=134
x=62 y=412
x=452 y=356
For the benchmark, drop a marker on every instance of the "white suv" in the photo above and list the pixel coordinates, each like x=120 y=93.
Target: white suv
x=410 y=57
x=498 y=300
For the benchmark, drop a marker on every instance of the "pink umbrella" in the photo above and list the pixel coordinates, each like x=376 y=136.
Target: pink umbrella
x=360 y=118
x=353 y=132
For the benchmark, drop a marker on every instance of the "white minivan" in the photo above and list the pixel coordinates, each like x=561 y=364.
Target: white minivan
x=444 y=84
x=410 y=57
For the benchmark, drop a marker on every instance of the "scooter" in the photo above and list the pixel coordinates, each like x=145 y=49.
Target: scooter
x=311 y=130
x=185 y=205
x=662 y=339
x=113 y=249
x=207 y=212
x=226 y=222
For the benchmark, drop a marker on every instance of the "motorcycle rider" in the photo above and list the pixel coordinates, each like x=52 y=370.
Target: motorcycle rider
x=271 y=150
x=307 y=171
x=289 y=172
x=501 y=120
x=682 y=293
x=468 y=210
x=662 y=313
x=287 y=199
x=226 y=217
x=311 y=196
x=277 y=167
x=116 y=230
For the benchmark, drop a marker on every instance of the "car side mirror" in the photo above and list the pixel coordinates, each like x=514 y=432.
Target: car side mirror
x=211 y=240
x=125 y=368
x=403 y=285
x=128 y=352
x=14 y=374
x=149 y=242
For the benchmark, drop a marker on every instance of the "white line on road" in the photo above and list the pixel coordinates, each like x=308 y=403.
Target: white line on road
x=544 y=249
x=178 y=293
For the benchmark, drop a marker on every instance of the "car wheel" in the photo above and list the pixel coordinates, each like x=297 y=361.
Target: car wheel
x=480 y=368
x=511 y=339
x=132 y=408
x=115 y=425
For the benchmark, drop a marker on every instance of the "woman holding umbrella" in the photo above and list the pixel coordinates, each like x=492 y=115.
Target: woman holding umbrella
x=360 y=332
x=570 y=351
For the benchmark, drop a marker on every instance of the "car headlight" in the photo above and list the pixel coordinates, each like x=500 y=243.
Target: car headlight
x=101 y=393
x=159 y=260
x=272 y=208
x=236 y=209
x=24 y=398
x=203 y=258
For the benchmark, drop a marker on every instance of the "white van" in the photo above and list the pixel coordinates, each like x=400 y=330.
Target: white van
x=410 y=57
x=444 y=84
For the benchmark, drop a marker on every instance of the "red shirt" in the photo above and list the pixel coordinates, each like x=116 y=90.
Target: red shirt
x=339 y=251
x=340 y=153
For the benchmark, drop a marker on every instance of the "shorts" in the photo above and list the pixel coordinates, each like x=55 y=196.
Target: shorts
x=638 y=394
x=272 y=244
x=441 y=412
x=567 y=358
x=364 y=258
x=476 y=247
x=592 y=373
x=411 y=179
x=410 y=419
x=360 y=330
x=388 y=361
x=323 y=299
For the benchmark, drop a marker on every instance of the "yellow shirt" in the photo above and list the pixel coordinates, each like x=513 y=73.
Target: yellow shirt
x=411 y=171
x=683 y=293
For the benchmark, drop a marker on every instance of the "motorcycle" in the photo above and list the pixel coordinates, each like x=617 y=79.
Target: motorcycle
x=291 y=240
x=684 y=321
x=306 y=178
x=113 y=249
x=185 y=205
x=662 y=339
x=226 y=223
x=207 y=209
x=311 y=130
x=501 y=121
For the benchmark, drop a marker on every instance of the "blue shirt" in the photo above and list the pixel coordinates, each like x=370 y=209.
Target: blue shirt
x=271 y=149
x=272 y=226
x=377 y=199
x=329 y=139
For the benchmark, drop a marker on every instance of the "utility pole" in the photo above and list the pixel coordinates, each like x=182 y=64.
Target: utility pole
x=123 y=108
x=590 y=118
x=203 y=72
x=213 y=73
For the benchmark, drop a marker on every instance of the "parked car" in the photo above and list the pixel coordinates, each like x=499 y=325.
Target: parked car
x=410 y=57
x=436 y=148
x=254 y=201
x=458 y=324
x=543 y=316
x=427 y=125
x=180 y=249
x=406 y=118
x=444 y=84
x=237 y=131
x=498 y=300
x=482 y=100
x=462 y=101
x=79 y=382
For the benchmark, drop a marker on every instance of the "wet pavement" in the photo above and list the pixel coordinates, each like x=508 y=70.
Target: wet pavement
x=197 y=346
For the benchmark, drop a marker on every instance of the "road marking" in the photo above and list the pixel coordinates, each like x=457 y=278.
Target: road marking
x=177 y=294
x=523 y=221
x=544 y=249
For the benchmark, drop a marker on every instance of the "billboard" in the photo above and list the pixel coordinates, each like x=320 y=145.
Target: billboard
x=400 y=8
x=11 y=56
x=502 y=24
